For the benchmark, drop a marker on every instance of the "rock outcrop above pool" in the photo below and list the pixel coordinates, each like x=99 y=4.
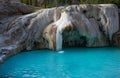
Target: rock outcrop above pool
x=54 y=28
x=86 y=25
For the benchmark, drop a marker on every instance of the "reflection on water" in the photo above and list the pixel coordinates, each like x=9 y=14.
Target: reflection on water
x=69 y=63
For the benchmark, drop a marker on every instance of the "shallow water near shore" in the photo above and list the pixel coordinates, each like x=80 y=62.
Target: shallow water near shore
x=68 y=63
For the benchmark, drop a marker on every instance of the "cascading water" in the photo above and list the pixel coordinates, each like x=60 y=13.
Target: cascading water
x=61 y=24
x=58 y=40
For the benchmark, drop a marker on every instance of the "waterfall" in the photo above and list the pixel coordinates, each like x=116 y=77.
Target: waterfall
x=58 y=40
x=61 y=24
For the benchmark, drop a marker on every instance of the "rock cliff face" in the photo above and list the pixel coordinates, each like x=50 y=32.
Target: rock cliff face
x=54 y=28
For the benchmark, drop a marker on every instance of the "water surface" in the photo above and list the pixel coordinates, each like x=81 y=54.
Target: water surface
x=69 y=63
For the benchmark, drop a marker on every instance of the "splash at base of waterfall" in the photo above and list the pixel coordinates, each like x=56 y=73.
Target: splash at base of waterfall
x=60 y=52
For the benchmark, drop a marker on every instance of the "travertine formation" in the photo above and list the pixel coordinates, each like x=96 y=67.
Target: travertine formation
x=54 y=28
x=95 y=25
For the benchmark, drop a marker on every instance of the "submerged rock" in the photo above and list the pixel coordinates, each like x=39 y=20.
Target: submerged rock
x=53 y=28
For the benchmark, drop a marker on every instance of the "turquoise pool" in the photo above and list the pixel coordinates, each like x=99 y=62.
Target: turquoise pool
x=69 y=63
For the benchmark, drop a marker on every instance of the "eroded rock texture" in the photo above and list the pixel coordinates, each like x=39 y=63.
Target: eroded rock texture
x=54 y=28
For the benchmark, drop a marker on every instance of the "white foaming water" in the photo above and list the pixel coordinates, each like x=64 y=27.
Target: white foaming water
x=61 y=24
x=58 y=40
